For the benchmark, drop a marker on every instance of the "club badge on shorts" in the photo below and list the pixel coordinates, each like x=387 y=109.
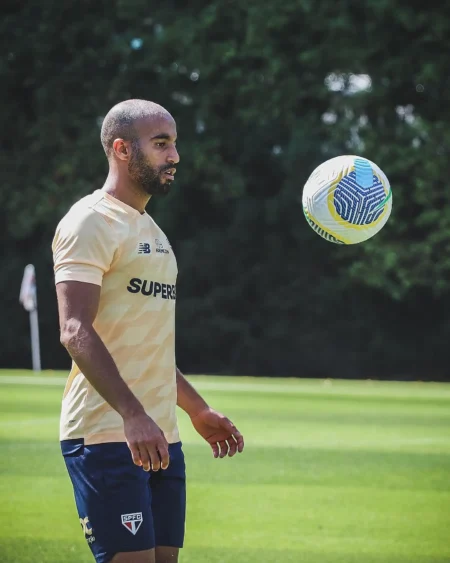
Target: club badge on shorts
x=132 y=522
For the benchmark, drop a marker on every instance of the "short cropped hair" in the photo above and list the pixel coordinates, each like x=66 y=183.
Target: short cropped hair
x=119 y=121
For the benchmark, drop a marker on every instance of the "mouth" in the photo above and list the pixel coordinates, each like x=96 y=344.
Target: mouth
x=170 y=173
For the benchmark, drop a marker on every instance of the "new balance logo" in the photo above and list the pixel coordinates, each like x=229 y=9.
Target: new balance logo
x=144 y=248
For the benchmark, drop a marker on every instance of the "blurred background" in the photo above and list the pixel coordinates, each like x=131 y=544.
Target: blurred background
x=262 y=93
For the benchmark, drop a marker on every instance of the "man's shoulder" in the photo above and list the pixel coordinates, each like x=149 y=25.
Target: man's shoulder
x=87 y=211
x=85 y=218
x=85 y=206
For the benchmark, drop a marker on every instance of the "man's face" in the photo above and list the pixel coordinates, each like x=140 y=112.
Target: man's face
x=154 y=155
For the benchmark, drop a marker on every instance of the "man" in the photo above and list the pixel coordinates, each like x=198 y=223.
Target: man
x=115 y=275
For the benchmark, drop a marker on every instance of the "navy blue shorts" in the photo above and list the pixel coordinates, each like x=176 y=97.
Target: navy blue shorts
x=121 y=507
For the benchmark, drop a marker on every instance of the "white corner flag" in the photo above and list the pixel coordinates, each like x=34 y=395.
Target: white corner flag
x=28 y=298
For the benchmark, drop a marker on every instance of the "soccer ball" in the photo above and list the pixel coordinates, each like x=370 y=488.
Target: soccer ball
x=347 y=199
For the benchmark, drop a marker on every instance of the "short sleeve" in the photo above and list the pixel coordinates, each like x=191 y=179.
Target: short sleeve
x=83 y=247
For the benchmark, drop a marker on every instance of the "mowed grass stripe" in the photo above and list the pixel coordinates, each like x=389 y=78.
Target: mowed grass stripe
x=388 y=389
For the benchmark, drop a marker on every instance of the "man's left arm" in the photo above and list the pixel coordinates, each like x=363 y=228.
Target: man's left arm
x=220 y=433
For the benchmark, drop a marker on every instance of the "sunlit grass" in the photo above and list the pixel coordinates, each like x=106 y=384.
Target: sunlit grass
x=333 y=472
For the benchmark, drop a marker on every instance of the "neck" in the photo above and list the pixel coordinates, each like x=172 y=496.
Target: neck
x=125 y=190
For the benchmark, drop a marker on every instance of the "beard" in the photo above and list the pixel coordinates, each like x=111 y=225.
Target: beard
x=148 y=177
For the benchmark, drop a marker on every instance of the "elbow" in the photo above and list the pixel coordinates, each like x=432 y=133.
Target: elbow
x=64 y=339
x=71 y=335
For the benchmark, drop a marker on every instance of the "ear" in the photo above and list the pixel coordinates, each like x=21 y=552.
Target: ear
x=121 y=150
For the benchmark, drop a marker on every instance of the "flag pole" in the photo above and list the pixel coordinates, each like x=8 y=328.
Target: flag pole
x=28 y=298
x=35 y=347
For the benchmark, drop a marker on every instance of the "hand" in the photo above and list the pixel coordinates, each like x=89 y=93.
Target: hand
x=147 y=443
x=222 y=435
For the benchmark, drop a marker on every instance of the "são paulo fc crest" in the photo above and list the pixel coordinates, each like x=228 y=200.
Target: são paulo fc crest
x=132 y=522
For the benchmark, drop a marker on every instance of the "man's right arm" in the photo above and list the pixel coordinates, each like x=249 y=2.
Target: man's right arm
x=78 y=305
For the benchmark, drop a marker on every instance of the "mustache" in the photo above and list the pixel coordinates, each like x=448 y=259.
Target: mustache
x=168 y=167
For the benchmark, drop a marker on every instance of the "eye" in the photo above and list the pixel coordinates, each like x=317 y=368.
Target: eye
x=160 y=144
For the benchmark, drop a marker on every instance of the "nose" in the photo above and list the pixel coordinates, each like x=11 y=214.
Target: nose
x=173 y=157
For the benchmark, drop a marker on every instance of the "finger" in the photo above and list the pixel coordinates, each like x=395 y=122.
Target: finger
x=145 y=459
x=233 y=446
x=163 y=451
x=239 y=439
x=135 y=454
x=226 y=423
x=154 y=456
x=223 y=448
x=215 y=449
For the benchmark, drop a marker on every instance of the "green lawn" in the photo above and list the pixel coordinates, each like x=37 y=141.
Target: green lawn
x=333 y=472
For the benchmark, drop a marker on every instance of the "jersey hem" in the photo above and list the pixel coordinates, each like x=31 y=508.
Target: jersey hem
x=106 y=437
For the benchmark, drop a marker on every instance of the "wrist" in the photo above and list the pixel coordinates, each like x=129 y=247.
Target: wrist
x=131 y=409
x=188 y=398
x=199 y=409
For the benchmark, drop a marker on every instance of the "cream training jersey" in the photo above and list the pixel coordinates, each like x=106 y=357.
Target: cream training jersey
x=103 y=241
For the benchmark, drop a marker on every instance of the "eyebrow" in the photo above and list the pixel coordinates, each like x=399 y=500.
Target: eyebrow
x=162 y=136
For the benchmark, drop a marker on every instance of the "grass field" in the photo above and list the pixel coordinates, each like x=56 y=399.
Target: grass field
x=333 y=472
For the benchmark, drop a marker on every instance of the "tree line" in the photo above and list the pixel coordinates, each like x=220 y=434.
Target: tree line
x=262 y=93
